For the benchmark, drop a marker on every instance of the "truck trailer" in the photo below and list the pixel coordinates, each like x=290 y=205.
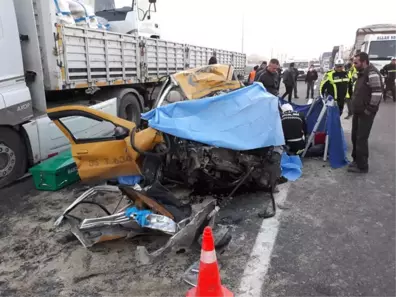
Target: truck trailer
x=46 y=64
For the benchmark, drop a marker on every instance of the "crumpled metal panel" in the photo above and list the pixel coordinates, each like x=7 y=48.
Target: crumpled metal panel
x=200 y=82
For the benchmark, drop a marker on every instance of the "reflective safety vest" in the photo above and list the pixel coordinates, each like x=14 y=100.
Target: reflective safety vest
x=353 y=76
x=251 y=76
x=329 y=78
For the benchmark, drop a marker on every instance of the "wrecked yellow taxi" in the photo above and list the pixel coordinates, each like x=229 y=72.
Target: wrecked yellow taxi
x=154 y=162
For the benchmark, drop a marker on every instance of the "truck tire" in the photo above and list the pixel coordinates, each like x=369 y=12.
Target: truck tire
x=13 y=156
x=129 y=108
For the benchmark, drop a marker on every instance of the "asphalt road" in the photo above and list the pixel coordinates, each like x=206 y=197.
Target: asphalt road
x=334 y=234
x=301 y=91
x=337 y=237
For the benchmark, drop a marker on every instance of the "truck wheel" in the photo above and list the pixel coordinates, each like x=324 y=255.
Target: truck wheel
x=129 y=108
x=13 y=157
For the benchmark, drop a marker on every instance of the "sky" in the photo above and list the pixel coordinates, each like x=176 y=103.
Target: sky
x=283 y=28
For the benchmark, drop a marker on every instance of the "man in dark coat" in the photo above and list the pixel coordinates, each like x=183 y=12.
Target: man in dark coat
x=366 y=99
x=310 y=79
x=289 y=79
x=269 y=78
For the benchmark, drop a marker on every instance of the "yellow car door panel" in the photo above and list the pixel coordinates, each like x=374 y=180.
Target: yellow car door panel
x=102 y=155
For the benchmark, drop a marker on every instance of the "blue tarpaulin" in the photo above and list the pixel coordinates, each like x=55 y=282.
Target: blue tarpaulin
x=247 y=118
x=331 y=124
x=129 y=180
x=291 y=167
x=337 y=144
x=139 y=215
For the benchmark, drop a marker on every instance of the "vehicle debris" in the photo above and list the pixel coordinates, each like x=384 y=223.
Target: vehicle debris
x=130 y=221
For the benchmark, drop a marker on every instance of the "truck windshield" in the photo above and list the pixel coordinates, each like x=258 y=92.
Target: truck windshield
x=111 y=4
x=382 y=49
x=144 y=8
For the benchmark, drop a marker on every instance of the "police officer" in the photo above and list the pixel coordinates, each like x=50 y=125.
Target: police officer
x=336 y=83
x=389 y=71
x=294 y=129
x=352 y=74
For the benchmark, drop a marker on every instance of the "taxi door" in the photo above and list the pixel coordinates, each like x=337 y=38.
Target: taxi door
x=100 y=142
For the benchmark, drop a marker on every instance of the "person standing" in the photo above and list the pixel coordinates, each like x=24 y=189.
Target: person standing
x=269 y=78
x=252 y=74
x=366 y=99
x=336 y=83
x=289 y=80
x=295 y=83
x=389 y=71
x=310 y=80
x=261 y=69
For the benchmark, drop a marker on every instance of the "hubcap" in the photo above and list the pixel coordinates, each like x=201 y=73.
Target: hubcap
x=7 y=160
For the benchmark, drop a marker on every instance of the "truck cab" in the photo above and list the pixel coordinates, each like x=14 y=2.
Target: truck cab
x=140 y=17
x=380 y=48
x=15 y=99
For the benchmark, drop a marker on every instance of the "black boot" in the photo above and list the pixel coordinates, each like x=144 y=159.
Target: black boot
x=357 y=169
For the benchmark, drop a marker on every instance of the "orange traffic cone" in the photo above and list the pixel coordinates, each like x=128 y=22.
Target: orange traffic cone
x=209 y=283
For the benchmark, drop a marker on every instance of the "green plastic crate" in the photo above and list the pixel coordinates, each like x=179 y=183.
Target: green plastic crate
x=55 y=173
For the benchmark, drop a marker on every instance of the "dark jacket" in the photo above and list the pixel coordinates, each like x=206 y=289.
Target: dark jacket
x=311 y=76
x=270 y=81
x=258 y=73
x=336 y=83
x=294 y=125
x=295 y=73
x=389 y=71
x=289 y=78
x=368 y=91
